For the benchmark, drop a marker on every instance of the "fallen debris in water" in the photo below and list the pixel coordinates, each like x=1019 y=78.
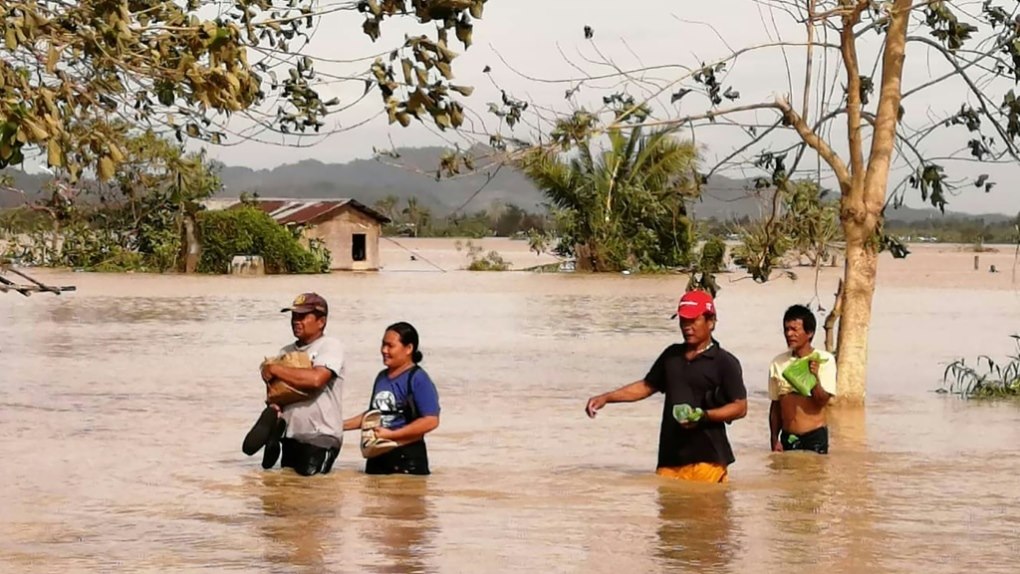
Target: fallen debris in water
x=26 y=290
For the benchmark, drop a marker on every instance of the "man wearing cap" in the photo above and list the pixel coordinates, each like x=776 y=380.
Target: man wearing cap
x=312 y=429
x=698 y=373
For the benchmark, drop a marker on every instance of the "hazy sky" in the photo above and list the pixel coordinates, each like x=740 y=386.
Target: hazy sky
x=537 y=38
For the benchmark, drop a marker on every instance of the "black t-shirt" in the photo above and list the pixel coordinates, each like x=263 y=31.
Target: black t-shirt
x=714 y=378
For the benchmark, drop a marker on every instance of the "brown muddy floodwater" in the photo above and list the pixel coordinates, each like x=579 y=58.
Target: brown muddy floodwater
x=124 y=405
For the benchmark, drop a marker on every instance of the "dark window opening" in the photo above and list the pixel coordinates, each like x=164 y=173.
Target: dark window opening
x=358 y=247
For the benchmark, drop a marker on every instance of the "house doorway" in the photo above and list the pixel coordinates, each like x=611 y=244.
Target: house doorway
x=358 y=251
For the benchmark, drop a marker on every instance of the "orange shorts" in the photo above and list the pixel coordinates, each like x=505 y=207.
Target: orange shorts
x=697 y=472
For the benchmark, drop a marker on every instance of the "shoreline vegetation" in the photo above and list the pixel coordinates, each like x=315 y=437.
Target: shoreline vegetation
x=986 y=379
x=29 y=236
x=23 y=242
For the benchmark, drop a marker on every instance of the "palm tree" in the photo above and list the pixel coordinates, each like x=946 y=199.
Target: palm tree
x=624 y=207
x=416 y=215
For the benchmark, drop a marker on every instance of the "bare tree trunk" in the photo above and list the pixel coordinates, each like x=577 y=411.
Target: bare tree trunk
x=861 y=205
x=855 y=318
x=192 y=248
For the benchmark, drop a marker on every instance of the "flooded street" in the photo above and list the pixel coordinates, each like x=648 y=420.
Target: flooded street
x=125 y=404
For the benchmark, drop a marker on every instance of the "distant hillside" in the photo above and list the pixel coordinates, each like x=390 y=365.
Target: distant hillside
x=29 y=183
x=725 y=199
x=369 y=180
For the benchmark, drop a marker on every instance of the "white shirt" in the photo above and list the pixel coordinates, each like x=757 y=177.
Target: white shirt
x=319 y=421
x=778 y=385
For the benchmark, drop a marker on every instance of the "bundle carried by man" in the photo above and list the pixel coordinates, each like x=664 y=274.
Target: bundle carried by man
x=798 y=373
x=280 y=393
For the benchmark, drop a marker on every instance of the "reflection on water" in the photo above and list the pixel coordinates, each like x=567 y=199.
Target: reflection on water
x=298 y=520
x=125 y=403
x=398 y=523
x=695 y=528
x=797 y=508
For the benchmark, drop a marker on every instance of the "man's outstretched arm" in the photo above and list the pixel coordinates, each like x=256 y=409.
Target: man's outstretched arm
x=635 y=391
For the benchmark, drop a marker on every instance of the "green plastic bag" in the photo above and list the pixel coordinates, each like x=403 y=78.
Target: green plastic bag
x=798 y=374
x=685 y=414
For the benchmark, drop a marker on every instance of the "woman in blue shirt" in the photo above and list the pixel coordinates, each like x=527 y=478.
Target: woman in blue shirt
x=408 y=401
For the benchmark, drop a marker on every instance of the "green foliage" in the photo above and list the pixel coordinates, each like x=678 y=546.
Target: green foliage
x=762 y=249
x=708 y=264
x=321 y=255
x=413 y=219
x=69 y=69
x=120 y=259
x=997 y=380
x=538 y=241
x=138 y=224
x=812 y=222
x=713 y=253
x=965 y=230
x=492 y=261
x=249 y=231
x=141 y=212
x=802 y=224
x=622 y=209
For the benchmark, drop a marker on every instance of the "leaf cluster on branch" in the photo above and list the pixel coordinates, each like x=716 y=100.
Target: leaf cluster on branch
x=74 y=75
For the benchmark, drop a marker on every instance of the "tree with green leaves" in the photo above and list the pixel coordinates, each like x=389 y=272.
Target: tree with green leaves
x=849 y=71
x=143 y=219
x=812 y=220
x=622 y=207
x=800 y=222
x=77 y=76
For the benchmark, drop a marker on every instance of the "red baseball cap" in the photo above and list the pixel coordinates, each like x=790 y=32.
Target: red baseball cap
x=694 y=304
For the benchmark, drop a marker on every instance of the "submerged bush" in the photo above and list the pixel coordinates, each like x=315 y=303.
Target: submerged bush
x=997 y=380
x=249 y=231
x=492 y=261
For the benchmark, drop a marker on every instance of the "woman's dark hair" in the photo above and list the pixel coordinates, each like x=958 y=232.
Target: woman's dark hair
x=408 y=336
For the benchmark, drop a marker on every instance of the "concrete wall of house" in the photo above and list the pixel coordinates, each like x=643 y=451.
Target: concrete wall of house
x=338 y=235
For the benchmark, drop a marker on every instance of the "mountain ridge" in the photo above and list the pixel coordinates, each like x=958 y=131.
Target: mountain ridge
x=409 y=175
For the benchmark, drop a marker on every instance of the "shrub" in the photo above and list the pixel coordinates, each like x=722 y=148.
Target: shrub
x=712 y=255
x=249 y=231
x=492 y=261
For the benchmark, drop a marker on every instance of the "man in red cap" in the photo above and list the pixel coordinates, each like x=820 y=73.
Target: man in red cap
x=702 y=375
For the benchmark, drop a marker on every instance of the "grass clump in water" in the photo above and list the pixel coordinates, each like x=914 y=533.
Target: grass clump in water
x=994 y=381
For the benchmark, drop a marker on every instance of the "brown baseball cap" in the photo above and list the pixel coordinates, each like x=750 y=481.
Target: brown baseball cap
x=308 y=303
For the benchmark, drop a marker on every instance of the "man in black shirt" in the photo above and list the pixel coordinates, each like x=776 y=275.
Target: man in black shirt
x=698 y=373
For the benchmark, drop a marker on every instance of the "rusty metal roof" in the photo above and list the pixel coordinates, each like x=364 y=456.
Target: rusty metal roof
x=307 y=211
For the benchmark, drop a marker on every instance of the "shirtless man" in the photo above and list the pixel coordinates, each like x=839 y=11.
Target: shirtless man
x=797 y=422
